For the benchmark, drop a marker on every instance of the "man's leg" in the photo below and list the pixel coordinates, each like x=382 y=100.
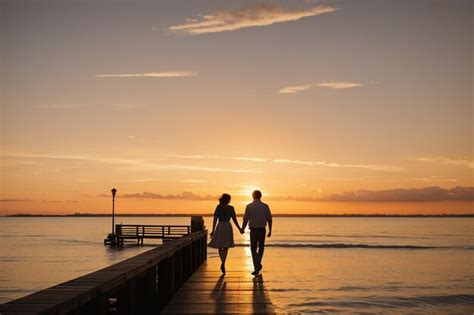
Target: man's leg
x=253 y=247
x=261 y=246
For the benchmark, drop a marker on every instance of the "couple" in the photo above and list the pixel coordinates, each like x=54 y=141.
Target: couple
x=257 y=214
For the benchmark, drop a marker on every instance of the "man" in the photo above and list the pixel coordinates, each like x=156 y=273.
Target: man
x=257 y=214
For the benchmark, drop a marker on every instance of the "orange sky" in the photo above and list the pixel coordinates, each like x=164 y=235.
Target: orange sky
x=300 y=100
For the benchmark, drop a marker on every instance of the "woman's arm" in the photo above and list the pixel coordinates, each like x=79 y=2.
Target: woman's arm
x=234 y=218
x=213 y=225
x=214 y=221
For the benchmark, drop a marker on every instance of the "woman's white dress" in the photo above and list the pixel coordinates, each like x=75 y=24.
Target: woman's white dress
x=223 y=234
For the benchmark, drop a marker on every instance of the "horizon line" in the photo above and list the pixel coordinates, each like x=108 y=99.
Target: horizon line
x=210 y=215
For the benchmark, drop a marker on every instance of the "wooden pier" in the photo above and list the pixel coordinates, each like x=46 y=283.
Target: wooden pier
x=173 y=278
x=143 y=284
x=238 y=292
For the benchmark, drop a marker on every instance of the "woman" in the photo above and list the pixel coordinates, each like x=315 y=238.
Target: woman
x=222 y=235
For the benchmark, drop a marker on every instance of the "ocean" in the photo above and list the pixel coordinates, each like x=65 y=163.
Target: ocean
x=322 y=265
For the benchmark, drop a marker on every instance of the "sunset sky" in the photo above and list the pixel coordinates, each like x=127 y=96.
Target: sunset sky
x=326 y=106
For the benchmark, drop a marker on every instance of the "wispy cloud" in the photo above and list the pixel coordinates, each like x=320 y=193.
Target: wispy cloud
x=136 y=164
x=462 y=162
x=218 y=157
x=193 y=181
x=288 y=161
x=251 y=16
x=186 y=195
x=88 y=106
x=145 y=140
x=32 y=200
x=432 y=179
x=425 y=194
x=55 y=106
x=295 y=89
x=14 y=200
x=339 y=85
x=374 y=167
x=165 y=74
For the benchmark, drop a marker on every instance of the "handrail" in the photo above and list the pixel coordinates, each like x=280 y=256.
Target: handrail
x=139 y=232
x=139 y=285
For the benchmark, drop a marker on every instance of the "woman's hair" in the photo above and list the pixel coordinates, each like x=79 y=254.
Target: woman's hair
x=224 y=199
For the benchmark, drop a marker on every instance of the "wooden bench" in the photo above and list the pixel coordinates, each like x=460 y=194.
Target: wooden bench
x=139 y=232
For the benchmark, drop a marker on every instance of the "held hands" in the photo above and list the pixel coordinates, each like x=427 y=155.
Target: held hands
x=212 y=234
x=242 y=231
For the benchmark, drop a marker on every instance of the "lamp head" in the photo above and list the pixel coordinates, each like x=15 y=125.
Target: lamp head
x=114 y=191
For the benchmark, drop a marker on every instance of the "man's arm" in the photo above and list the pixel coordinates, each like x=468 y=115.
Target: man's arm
x=234 y=218
x=270 y=221
x=246 y=219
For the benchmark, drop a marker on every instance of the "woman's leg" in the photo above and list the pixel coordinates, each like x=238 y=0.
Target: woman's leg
x=221 y=255
x=224 y=255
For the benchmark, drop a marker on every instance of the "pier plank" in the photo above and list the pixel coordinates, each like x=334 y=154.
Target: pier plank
x=209 y=292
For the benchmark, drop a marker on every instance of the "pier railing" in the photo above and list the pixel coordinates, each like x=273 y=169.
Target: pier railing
x=143 y=284
x=139 y=232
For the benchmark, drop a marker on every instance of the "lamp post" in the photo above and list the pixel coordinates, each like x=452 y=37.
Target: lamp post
x=114 y=191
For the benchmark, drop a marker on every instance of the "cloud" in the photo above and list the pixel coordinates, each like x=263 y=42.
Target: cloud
x=432 y=179
x=211 y=169
x=252 y=16
x=186 y=195
x=193 y=181
x=218 y=157
x=339 y=85
x=425 y=194
x=145 y=140
x=256 y=159
x=98 y=105
x=55 y=106
x=287 y=161
x=134 y=163
x=464 y=162
x=332 y=85
x=374 y=167
x=165 y=74
x=32 y=200
x=295 y=89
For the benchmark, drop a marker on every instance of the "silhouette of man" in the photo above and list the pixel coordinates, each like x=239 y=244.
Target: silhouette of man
x=257 y=214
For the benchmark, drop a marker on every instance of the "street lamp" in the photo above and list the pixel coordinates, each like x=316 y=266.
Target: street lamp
x=114 y=191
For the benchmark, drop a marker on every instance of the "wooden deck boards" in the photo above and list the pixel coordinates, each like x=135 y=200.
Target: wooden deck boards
x=208 y=292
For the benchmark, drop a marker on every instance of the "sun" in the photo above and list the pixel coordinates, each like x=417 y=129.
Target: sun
x=247 y=190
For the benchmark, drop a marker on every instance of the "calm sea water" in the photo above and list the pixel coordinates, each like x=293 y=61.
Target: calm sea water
x=361 y=265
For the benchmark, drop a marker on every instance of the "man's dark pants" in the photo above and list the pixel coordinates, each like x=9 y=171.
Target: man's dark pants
x=257 y=239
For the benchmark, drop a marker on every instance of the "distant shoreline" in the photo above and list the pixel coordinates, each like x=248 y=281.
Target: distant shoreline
x=375 y=215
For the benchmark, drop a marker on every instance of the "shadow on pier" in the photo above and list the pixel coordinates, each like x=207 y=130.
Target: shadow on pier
x=209 y=292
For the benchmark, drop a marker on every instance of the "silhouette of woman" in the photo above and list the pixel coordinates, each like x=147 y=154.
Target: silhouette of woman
x=222 y=235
